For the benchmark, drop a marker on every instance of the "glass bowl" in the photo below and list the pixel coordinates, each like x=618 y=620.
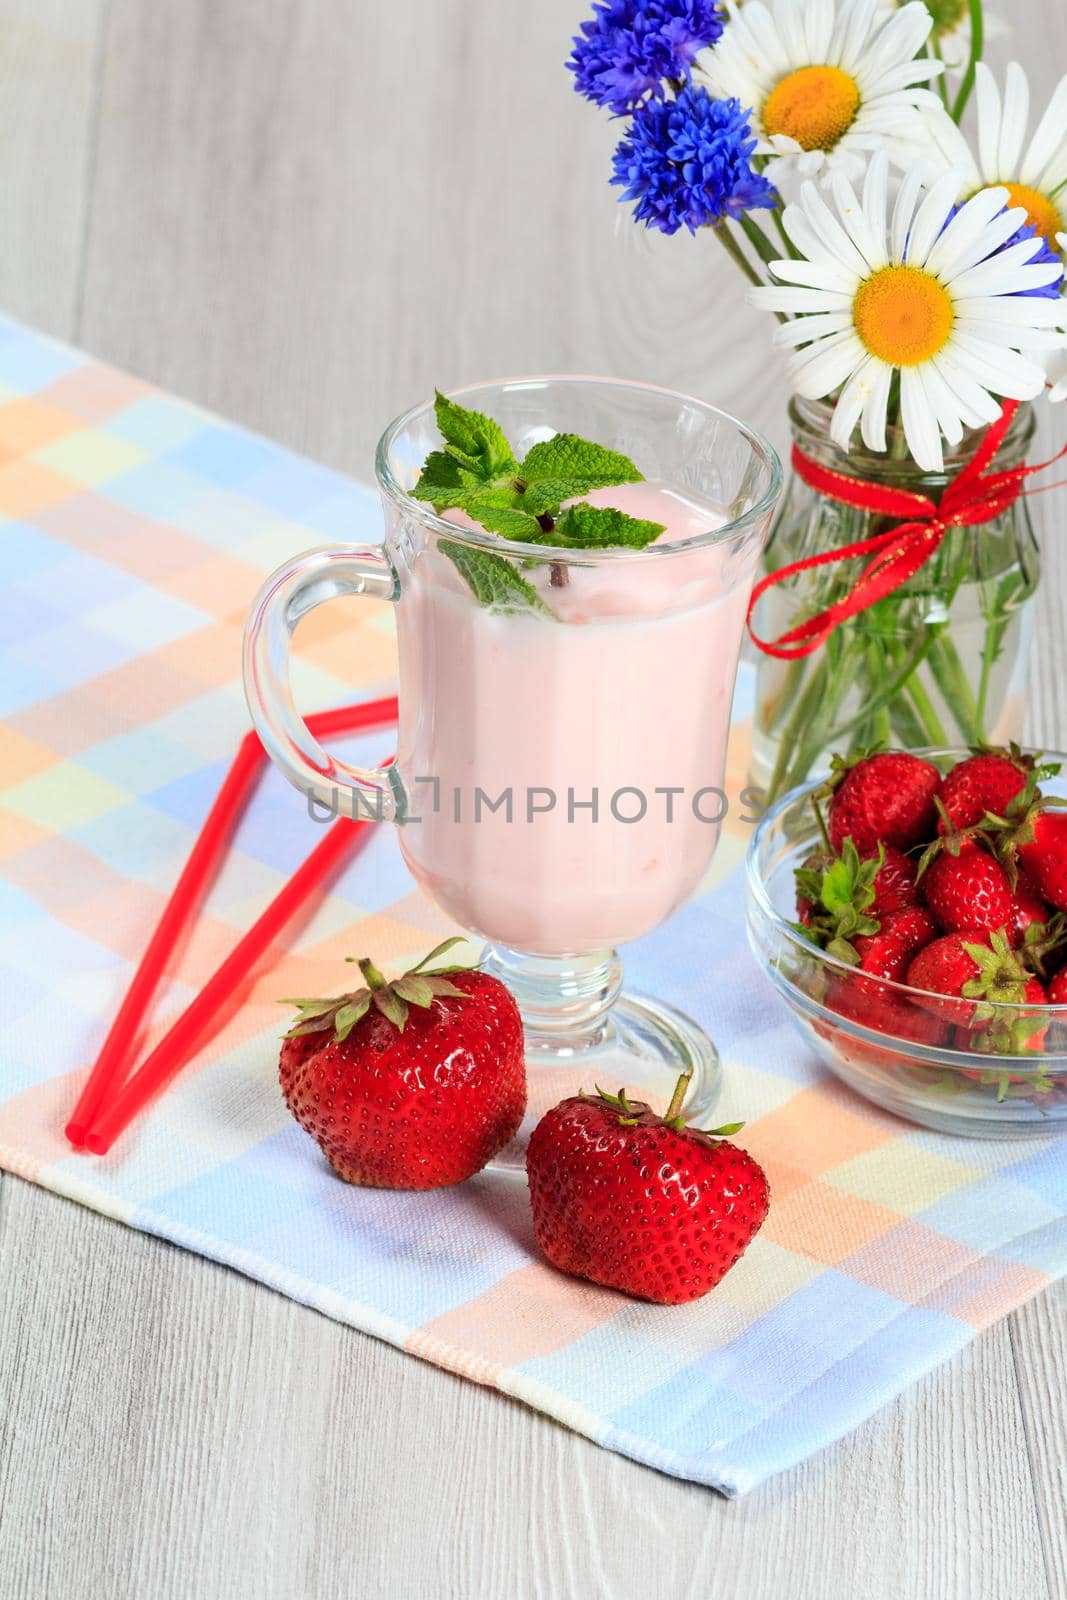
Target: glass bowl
x=925 y=1066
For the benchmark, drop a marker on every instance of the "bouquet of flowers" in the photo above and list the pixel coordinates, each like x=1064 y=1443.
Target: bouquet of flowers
x=916 y=272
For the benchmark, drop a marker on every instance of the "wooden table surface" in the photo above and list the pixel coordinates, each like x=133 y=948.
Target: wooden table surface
x=304 y=213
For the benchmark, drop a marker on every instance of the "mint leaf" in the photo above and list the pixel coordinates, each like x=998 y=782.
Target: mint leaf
x=599 y=527
x=505 y=520
x=444 y=482
x=567 y=458
x=492 y=579
x=476 y=441
x=476 y=472
x=565 y=466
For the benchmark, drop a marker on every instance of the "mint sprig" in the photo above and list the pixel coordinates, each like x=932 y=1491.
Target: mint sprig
x=477 y=472
x=492 y=579
x=586 y=527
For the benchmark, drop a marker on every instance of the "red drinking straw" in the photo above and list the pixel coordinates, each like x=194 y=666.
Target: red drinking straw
x=198 y=874
x=177 y=1046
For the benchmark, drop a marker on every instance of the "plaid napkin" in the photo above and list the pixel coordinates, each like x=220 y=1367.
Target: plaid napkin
x=135 y=530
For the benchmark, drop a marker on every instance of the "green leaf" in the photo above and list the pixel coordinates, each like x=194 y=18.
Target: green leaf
x=439 y=985
x=492 y=578
x=391 y=1007
x=310 y=1008
x=444 y=482
x=440 y=950
x=574 y=466
x=349 y=1015
x=411 y=987
x=838 y=884
x=585 y=527
x=476 y=441
x=316 y=1025
x=505 y=520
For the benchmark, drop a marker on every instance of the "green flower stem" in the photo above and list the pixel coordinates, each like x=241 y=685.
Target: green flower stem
x=787 y=244
x=905 y=725
x=933 y=50
x=945 y=665
x=924 y=709
x=775 y=708
x=736 y=254
x=803 y=714
x=878 y=732
x=759 y=241
x=996 y=628
x=959 y=105
x=888 y=692
x=948 y=673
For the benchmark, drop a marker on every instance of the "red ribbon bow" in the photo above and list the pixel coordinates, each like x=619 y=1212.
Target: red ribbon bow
x=973 y=497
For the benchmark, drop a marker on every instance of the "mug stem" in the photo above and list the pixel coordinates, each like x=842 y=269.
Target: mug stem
x=565 y=1001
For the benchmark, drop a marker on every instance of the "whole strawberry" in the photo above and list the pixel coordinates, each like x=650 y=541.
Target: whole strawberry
x=888 y=953
x=886 y=798
x=895 y=886
x=987 y=781
x=1042 y=852
x=410 y=1084
x=640 y=1202
x=1057 y=989
x=982 y=978
x=864 y=996
x=964 y=887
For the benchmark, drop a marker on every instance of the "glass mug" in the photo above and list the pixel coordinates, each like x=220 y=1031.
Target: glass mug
x=563 y=713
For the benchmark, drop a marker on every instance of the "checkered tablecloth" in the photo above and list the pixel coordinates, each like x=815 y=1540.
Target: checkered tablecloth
x=134 y=530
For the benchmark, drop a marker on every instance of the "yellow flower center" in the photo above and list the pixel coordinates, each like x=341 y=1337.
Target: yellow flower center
x=1040 y=211
x=814 y=106
x=903 y=315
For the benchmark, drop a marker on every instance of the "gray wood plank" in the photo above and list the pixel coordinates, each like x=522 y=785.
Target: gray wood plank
x=307 y=216
x=304 y=214
x=1039 y=1345
x=173 y=1429
x=48 y=74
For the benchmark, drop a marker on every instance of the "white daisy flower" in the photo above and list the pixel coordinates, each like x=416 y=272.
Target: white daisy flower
x=1035 y=172
x=827 y=80
x=939 y=298
x=951 y=36
x=1058 y=369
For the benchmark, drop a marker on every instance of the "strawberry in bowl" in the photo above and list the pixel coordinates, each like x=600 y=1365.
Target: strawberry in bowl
x=912 y=911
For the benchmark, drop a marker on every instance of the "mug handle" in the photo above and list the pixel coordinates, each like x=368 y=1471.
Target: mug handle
x=296 y=588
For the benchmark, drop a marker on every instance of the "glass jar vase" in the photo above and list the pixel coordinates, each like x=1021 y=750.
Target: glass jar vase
x=940 y=661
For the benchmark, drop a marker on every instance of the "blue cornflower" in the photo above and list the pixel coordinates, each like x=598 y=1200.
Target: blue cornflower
x=626 y=51
x=1044 y=256
x=1050 y=291
x=687 y=160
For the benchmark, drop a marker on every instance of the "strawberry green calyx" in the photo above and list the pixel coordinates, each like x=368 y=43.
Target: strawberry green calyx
x=951 y=839
x=841 y=896
x=634 y=1113
x=416 y=987
x=1009 y=833
x=1001 y=979
x=1042 y=940
x=1032 y=763
x=1000 y=975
